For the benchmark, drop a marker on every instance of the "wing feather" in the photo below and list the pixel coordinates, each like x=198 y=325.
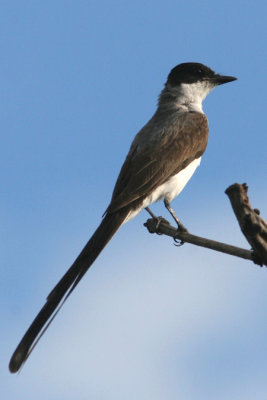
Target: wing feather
x=154 y=158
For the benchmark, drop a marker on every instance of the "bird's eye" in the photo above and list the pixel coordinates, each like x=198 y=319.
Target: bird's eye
x=200 y=71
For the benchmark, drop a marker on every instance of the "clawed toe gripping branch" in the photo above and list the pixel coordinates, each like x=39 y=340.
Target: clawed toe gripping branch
x=252 y=226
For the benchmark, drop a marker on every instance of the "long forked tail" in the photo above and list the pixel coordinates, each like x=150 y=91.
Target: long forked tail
x=65 y=286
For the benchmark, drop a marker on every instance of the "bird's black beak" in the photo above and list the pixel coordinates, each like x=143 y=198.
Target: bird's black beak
x=221 y=79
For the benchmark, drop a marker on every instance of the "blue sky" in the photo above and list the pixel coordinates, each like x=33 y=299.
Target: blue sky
x=149 y=320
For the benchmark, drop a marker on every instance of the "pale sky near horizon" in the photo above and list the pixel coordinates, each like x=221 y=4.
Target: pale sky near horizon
x=149 y=320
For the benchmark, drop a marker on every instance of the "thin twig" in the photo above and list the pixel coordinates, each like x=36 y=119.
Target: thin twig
x=165 y=228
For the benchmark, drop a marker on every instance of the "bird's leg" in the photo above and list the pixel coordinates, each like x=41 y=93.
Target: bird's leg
x=157 y=219
x=151 y=213
x=181 y=227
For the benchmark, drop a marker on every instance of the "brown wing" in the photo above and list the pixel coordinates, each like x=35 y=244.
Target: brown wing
x=151 y=161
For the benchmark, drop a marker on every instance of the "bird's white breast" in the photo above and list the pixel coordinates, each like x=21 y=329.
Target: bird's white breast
x=170 y=189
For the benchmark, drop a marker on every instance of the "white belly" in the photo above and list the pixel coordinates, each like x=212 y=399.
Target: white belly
x=170 y=189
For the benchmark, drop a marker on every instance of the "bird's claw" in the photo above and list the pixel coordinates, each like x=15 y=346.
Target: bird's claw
x=181 y=229
x=178 y=242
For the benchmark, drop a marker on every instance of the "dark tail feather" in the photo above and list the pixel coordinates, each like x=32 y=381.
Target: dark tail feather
x=65 y=286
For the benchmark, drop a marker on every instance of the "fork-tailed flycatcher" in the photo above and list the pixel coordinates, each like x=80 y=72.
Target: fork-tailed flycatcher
x=161 y=160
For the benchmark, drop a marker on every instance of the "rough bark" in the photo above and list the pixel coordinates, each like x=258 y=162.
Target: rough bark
x=251 y=224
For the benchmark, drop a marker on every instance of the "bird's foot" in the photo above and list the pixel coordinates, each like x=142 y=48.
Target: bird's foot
x=181 y=229
x=153 y=224
x=158 y=221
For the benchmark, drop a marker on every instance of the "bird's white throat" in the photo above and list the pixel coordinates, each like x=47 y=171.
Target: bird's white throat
x=189 y=96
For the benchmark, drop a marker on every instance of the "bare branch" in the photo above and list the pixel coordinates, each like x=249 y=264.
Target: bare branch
x=164 y=228
x=252 y=225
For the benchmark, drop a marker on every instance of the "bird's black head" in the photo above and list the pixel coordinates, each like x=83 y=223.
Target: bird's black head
x=195 y=72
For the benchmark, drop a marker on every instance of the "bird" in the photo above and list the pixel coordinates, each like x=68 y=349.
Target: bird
x=162 y=158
